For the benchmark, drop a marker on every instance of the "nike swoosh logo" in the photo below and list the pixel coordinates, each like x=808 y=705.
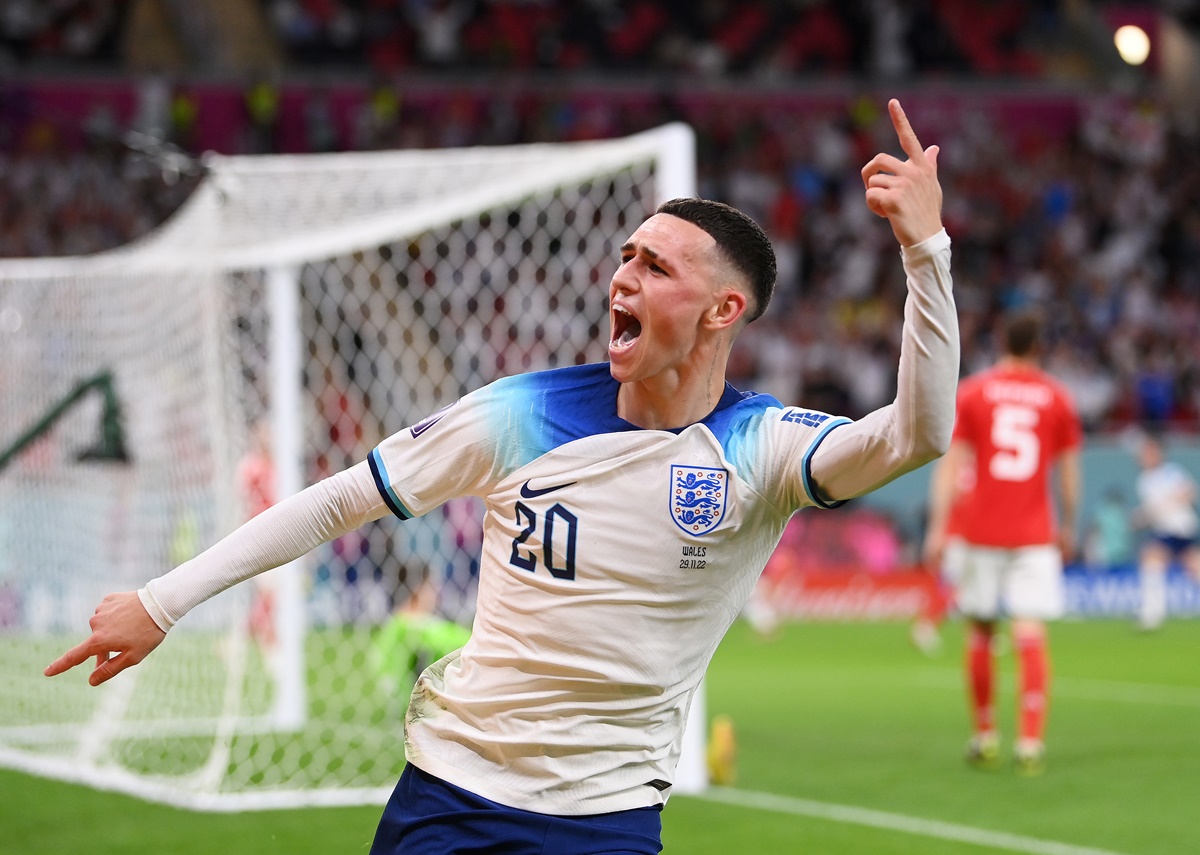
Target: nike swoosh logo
x=528 y=492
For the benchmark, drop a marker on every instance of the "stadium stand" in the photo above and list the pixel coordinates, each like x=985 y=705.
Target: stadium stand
x=1068 y=205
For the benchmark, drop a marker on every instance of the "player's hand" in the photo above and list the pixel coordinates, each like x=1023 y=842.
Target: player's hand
x=907 y=193
x=1066 y=542
x=120 y=626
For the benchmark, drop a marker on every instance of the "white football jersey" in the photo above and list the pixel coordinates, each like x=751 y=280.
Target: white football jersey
x=1163 y=493
x=614 y=560
x=614 y=557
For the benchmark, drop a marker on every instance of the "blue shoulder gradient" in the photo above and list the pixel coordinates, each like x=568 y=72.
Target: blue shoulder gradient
x=528 y=415
x=735 y=409
x=543 y=410
x=532 y=414
x=731 y=424
x=559 y=406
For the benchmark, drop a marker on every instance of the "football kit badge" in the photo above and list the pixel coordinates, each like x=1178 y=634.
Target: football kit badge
x=698 y=497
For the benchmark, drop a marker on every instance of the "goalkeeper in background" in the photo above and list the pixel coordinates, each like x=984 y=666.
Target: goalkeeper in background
x=630 y=507
x=413 y=639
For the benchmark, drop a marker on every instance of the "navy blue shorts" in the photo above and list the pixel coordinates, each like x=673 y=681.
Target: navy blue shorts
x=1174 y=544
x=427 y=816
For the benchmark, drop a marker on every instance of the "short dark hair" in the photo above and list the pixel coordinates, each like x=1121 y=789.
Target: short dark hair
x=740 y=241
x=1022 y=334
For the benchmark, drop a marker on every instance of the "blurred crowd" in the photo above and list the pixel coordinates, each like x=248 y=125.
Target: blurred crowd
x=702 y=36
x=1097 y=223
x=65 y=30
x=1100 y=230
x=763 y=38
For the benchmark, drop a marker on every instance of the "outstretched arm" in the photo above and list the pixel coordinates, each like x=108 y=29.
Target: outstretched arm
x=915 y=428
x=132 y=623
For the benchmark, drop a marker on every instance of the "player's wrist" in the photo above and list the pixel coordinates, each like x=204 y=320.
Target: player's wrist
x=936 y=242
x=154 y=609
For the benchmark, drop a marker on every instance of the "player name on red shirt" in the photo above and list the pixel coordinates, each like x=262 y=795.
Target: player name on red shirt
x=1034 y=394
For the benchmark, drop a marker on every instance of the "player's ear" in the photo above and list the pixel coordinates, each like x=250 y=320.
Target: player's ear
x=728 y=307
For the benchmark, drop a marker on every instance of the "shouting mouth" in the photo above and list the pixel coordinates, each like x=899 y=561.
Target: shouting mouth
x=625 y=329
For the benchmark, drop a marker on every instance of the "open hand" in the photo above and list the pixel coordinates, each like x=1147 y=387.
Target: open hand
x=120 y=625
x=906 y=193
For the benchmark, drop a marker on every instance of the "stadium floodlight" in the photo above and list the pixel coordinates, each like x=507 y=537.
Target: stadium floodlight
x=335 y=298
x=1132 y=43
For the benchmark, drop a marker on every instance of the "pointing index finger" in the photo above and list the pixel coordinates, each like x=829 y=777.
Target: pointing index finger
x=908 y=137
x=77 y=655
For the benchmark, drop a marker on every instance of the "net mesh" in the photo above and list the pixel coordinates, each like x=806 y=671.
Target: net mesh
x=135 y=408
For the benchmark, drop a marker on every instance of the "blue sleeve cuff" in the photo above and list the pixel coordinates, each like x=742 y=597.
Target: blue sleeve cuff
x=384 y=485
x=806 y=467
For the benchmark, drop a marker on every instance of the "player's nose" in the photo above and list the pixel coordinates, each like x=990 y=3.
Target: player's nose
x=624 y=281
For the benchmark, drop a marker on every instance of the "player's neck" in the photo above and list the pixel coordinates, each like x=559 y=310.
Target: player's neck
x=670 y=400
x=1017 y=363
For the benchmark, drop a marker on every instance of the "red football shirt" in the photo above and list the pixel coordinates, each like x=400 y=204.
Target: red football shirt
x=1018 y=420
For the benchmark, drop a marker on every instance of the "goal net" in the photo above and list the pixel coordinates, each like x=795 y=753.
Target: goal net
x=296 y=311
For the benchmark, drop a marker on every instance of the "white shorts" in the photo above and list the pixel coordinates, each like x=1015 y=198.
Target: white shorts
x=1025 y=582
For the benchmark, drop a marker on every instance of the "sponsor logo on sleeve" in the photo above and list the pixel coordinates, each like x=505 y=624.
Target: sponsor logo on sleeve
x=804 y=417
x=698 y=497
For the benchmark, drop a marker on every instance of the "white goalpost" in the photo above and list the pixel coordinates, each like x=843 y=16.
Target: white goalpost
x=294 y=312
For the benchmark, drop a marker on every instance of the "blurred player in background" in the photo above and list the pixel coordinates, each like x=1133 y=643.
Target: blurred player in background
x=557 y=728
x=256 y=478
x=1167 y=512
x=1018 y=424
x=412 y=639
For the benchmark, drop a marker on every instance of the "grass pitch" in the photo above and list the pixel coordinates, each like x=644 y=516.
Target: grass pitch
x=849 y=741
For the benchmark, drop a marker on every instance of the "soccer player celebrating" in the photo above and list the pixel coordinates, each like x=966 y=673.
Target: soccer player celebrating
x=630 y=508
x=1016 y=423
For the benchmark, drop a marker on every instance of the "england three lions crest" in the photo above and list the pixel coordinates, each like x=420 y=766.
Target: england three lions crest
x=698 y=497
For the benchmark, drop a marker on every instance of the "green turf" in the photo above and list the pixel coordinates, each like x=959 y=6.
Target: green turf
x=832 y=714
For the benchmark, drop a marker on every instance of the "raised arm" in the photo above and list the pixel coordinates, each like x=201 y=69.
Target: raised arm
x=915 y=428
x=132 y=623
